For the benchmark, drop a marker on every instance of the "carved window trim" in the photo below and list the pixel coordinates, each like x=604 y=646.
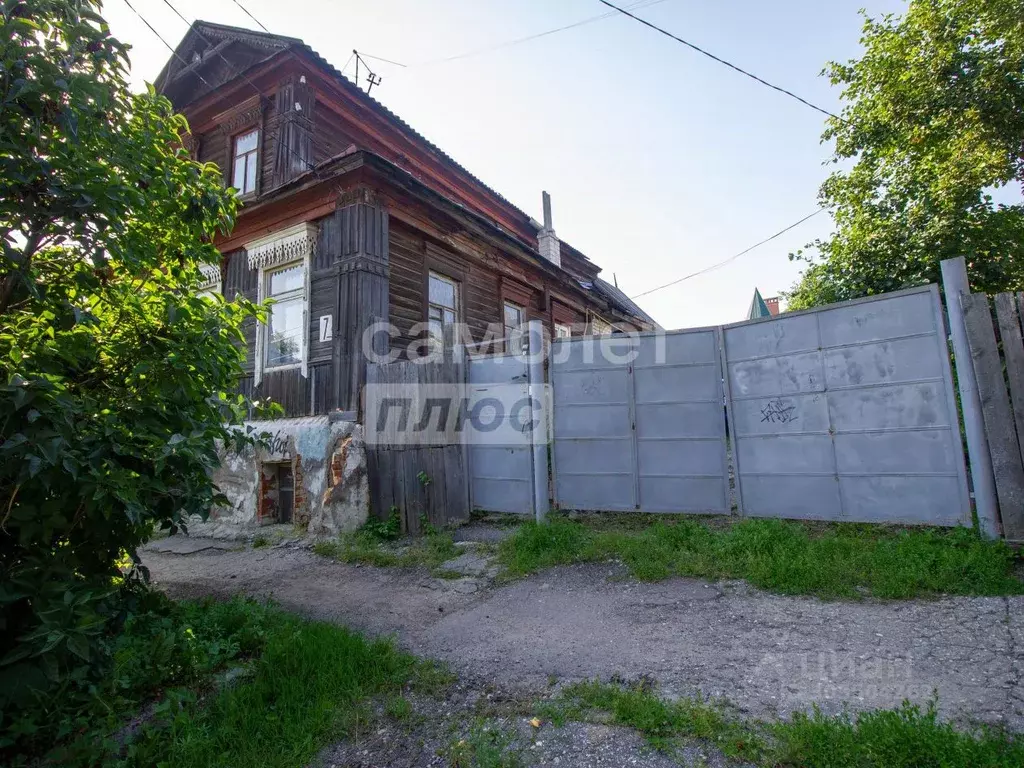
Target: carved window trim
x=244 y=120
x=296 y=244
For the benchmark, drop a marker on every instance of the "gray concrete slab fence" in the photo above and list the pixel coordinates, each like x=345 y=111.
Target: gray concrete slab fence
x=841 y=413
x=845 y=412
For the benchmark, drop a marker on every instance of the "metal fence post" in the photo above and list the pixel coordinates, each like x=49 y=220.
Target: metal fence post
x=954 y=283
x=535 y=372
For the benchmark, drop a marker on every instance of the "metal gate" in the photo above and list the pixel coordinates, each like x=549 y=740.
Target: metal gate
x=510 y=476
x=848 y=413
x=639 y=423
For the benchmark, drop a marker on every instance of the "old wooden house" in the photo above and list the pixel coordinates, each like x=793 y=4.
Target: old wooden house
x=349 y=218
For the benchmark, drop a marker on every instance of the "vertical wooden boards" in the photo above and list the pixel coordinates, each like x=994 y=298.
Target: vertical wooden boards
x=998 y=416
x=421 y=481
x=1013 y=354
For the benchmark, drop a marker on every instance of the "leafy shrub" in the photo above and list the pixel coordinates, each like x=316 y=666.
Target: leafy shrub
x=114 y=372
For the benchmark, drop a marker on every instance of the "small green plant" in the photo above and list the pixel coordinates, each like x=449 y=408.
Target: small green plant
x=388 y=529
x=485 y=745
x=424 y=478
x=260 y=541
x=398 y=708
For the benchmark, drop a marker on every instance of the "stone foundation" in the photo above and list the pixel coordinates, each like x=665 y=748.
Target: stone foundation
x=328 y=465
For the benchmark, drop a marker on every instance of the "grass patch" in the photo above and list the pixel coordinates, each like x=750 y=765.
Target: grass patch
x=830 y=561
x=902 y=738
x=485 y=745
x=260 y=541
x=379 y=543
x=303 y=684
x=310 y=685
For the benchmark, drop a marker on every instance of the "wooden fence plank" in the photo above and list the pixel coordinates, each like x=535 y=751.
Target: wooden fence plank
x=995 y=408
x=1013 y=354
x=395 y=465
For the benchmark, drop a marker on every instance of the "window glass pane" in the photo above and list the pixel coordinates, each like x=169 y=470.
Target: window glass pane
x=449 y=317
x=433 y=313
x=287 y=279
x=513 y=316
x=442 y=291
x=284 y=333
x=562 y=331
x=238 y=180
x=250 y=174
x=246 y=143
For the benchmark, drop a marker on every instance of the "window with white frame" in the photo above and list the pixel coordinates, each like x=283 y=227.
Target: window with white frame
x=246 y=155
x=562 y=331
x=285 y=330
x=442 y=304
x=513 y=318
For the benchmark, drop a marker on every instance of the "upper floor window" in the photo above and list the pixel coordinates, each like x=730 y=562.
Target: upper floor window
x=513 y=318
x=246 y=155
x=286 y=325
x=442 y=304
x=562 y=331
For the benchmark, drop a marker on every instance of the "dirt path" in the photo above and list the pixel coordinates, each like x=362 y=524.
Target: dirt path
x=766 y=654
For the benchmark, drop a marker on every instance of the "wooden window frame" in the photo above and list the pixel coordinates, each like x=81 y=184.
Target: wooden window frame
x=257 y=159
x=456 y=285
x=264 y=328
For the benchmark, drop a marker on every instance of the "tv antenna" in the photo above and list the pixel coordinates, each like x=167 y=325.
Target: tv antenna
x=371 y=77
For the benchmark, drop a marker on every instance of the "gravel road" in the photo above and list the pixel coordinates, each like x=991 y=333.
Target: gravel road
x=767 y=655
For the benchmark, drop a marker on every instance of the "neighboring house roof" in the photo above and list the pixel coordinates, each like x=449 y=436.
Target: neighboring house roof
x=621 y=300
x=758 y=308
x=275 y=44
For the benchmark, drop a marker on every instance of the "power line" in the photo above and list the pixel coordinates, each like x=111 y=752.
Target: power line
x=721 y=60
x=161 y=39
x=259 y=93
x=246 y=12
x=545 y=33
x=733 y=257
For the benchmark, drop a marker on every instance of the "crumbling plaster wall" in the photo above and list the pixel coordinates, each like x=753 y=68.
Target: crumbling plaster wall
x=328 y=460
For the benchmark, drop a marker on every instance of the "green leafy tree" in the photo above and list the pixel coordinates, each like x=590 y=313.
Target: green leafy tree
x=934 y=123
x=114 y=372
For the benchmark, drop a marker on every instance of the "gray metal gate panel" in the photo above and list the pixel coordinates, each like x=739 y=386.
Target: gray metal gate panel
x=501 y=477
x=645 y=433
x=594 y=450
x=848 y=413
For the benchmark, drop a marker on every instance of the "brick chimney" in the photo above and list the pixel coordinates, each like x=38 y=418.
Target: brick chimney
x=547 y=241
x=773 y=305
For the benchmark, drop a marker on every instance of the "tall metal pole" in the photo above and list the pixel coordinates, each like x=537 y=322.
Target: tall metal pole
x=537 y=391
x=954 y=283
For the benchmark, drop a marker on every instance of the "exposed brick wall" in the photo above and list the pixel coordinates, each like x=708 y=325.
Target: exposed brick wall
x=300 y=512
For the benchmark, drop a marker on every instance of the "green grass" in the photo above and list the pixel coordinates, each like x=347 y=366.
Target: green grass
x=310 y=686
x=830 y=561
x=902 y=738
x=302 y=685
x=486 y=744
x=372 y=546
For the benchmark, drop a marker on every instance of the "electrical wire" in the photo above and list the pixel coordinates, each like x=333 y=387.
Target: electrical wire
x=545 y=33
x=259 y=93
x=720 y=60
x=731 y=258
x=161 y=39
x=246 y=12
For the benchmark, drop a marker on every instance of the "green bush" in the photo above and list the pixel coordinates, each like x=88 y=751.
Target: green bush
x=114 y=372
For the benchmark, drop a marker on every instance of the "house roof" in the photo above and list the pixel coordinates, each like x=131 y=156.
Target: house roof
x=758 y=308
x=277 y=43
x=620 y=299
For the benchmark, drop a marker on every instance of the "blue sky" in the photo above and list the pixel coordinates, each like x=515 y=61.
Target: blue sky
x=660 y=162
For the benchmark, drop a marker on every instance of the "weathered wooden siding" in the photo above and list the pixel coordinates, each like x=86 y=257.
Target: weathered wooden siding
x=441 y=493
